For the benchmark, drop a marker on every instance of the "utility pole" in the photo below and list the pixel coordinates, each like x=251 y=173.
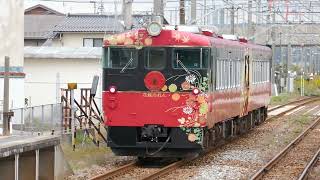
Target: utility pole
x=222 y=14
x=193 y=11
x=250 y=34
x=127 y=13
x=273 y=38
x=289 y=60
x=101 y=8
x=232 y=20
x=259 y=12
x=205 y=12
x=158 y=9
x=6 y=113
x=182 y=13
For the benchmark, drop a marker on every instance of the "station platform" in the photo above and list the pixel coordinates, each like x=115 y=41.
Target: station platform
x=10 y=145
x=29 y=157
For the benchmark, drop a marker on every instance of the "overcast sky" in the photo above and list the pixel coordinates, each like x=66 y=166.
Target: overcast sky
x=68 y=7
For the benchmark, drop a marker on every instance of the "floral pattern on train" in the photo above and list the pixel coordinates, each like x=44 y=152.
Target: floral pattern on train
x=193 y=111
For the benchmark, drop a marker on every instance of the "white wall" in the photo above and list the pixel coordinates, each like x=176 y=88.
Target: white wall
x=40 y=81
x=74 y=39
x=16 y=93
x=11 y=38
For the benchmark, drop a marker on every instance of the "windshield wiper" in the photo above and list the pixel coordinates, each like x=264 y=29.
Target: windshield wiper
x=182 y=65
x=127 y=65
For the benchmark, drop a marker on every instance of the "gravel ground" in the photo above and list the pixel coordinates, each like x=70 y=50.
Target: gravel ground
x=315 y=173
x=291 y=166
x=111 y=162
x=136 y=173
x=240 y=158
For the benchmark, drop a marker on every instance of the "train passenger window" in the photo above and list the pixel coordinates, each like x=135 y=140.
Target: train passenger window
x=191 y=58
x=120 y=58
x=154 y=58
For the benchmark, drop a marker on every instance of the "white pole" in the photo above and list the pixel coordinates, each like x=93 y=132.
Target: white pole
x=58 y=88
x=72 y=119
x=301 y=85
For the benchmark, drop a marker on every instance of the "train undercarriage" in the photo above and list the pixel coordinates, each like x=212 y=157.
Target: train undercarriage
x=157 y=141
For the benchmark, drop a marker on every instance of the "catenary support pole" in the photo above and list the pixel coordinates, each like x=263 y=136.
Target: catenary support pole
x=158 y=9
x=6 y=116
x=289 y=60
x=232 y=20
x=193 y=11
x=127 y=13
x=182 y=13
x=250 y=34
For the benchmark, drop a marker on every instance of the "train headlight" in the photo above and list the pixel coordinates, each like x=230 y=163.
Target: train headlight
x=154 y=29
x=112 y=89
x=195 y=91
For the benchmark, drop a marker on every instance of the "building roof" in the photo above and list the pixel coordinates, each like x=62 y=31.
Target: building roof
x=98 y=23
x=40 y=26
x=89 y=23
x=44 y=52
x=40 y=9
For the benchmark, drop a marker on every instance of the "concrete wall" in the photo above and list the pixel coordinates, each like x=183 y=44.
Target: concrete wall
x=74 y=39
x=11 y=38
x=40 y=83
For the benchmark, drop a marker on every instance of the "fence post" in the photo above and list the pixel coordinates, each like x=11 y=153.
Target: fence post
x=52 y=114
x=31 y=119
x=21 y=120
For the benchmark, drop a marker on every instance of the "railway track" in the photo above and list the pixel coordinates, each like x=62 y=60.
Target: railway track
x=115 y=172
x=309 y=167
x=155 y=174
x=290 y=103
x=290 y=162
x=296 y=104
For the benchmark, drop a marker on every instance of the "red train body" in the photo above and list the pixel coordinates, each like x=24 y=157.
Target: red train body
x=179 y=92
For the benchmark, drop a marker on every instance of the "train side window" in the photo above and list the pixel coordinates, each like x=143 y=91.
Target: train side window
x=218 y=69
x=118 y=58
x=254 y=69
x=154 y=58
x=191 y=58
x=222 y=75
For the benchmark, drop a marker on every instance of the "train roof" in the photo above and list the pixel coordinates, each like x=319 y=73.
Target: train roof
x=174 y=38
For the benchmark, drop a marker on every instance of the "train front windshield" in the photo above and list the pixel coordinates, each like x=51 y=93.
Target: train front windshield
x=126 y=67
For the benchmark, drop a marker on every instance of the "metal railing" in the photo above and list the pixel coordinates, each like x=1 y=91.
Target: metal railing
x=41 y=119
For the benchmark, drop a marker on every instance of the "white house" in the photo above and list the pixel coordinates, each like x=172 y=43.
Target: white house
x=74 y=65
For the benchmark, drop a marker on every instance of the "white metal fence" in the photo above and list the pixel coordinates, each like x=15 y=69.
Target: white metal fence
x=41 y=119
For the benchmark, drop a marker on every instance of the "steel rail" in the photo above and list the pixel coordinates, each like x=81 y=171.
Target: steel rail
x=259 y=174
x=290 y=103
x=308 y=101
x=167 y=169
x=310 y=165
x=115 y=172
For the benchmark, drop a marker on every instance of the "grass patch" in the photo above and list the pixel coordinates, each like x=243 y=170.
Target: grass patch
x=86 y=153
x=283 y=98
x=85 y=156
x=311 y=86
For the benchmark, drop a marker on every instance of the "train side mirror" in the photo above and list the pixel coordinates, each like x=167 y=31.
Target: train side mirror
x=94 y=86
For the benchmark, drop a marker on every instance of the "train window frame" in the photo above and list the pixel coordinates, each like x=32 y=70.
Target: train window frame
x=217 y=71
x=136 y=56
x=191 y=48
x=238 y=73
x=221 y=74
x=145 y=55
